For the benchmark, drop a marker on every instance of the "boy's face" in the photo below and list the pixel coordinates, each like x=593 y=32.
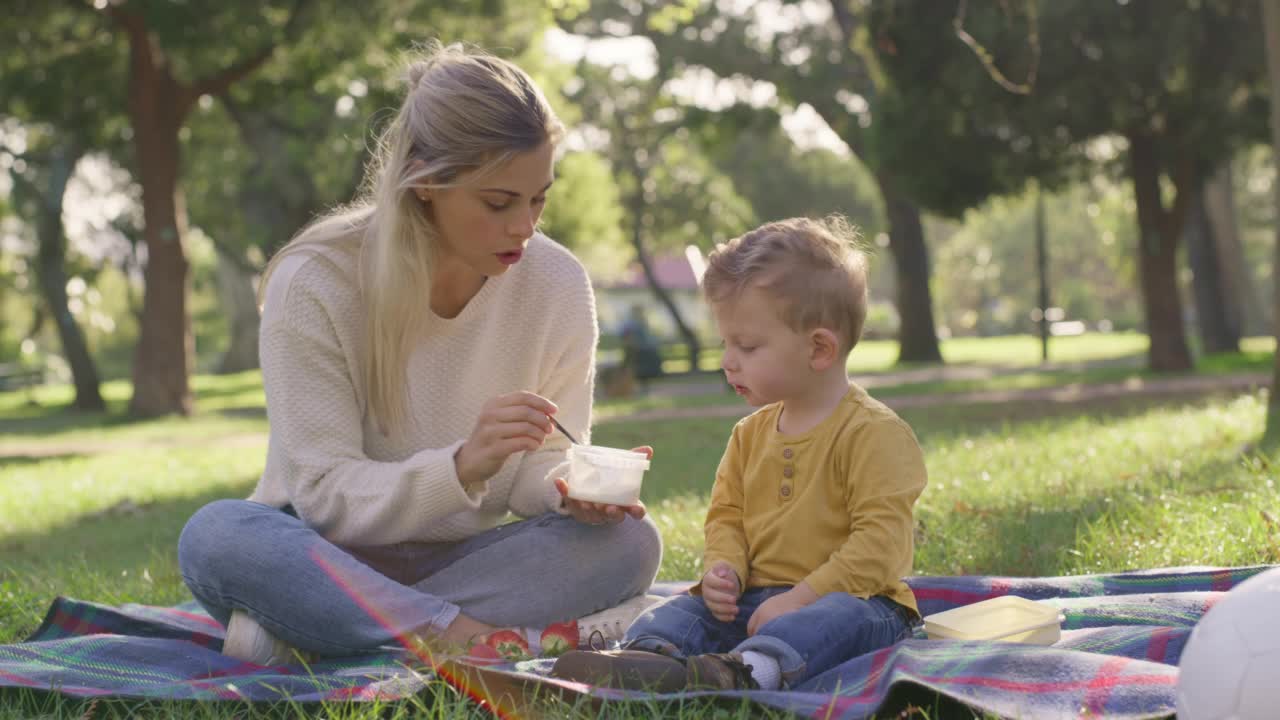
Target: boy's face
x=764 y=360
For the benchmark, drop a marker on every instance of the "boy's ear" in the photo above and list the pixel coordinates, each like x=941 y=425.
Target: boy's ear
x=824 y=349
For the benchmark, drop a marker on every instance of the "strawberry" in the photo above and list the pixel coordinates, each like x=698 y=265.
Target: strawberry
x=481 y=654
x=559 y=638
x=510 y=644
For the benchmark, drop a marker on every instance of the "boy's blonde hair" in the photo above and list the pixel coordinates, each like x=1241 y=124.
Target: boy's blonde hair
x=816 y=269
x=464 y=111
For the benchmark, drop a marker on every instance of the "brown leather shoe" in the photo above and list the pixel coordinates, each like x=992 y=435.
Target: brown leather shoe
x=625 y=669
x=642 y=670
x=720 y=671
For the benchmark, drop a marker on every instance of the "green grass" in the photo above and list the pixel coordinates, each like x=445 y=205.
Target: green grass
x=228 y=405
x=438 y=702
x=90 y=506
x=1092 y=488
x=987 y=364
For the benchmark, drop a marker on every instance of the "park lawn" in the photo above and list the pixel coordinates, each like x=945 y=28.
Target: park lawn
x=91 y=508
x=1008 y=350
x=984 y=364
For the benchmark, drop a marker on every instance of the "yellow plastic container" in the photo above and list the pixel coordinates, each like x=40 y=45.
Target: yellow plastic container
x=1006 y=619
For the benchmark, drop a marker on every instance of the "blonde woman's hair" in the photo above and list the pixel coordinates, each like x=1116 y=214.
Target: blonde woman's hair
x=464 y=111
x=815 y=269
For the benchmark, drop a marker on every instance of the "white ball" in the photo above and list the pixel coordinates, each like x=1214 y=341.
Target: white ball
x=1230 y=667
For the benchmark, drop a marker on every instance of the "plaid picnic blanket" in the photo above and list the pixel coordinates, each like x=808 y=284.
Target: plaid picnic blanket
x=1117 y=657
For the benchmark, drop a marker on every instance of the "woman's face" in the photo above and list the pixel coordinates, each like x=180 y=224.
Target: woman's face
x=486 y=222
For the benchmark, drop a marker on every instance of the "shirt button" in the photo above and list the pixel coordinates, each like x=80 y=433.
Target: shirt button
x=787 y=453
x=786 y=491
x=788 y=471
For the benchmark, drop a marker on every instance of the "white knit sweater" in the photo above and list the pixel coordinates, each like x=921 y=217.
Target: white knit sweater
x=532 y=328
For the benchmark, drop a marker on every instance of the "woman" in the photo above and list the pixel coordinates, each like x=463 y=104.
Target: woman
x=413 y=347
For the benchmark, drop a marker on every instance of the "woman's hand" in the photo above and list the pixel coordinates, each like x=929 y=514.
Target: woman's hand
x=593 y=513
x=508 y=424
x=781 y=604
x=720 y=591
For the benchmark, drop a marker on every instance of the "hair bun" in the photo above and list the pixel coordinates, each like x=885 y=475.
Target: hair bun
x=432 y=54
x=418 y=70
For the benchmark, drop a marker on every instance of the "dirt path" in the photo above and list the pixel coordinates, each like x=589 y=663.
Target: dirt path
x=1187 y=385
x=713 y=382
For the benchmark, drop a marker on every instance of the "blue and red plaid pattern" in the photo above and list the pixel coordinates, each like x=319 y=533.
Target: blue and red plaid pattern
x=1117 y=657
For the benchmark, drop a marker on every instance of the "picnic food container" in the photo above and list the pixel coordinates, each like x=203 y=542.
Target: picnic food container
x=1007 y=619
x=606 y=475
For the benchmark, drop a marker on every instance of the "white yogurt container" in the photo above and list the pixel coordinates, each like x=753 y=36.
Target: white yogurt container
x=605 y=475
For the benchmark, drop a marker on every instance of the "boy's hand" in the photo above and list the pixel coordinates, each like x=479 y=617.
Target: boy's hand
x=720 y=592
x=601 y=513
x=781 y=604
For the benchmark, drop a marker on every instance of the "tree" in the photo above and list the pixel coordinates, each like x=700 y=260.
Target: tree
x=985 y=276
x=819 y=64
x=38 y=194
x=671 y=193
x=254 y=149
x=141 y=67
x=138 y=67
x=159 y=103
x=1244 y=311
x=1178 y=81
x=254 y=176
x=62 y=56
x=1218 y=333
x=585 y=212
x=1271 y=31
x=781 y=180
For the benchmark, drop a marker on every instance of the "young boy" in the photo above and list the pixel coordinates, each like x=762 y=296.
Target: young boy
x=809 y=531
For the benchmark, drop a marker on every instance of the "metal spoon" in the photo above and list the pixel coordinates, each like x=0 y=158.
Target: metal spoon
x=561 y=429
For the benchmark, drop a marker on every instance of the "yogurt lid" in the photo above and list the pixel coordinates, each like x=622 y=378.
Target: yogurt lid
x=611 y=457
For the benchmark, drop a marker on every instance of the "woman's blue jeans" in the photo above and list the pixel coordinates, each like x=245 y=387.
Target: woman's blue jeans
x=318 y=597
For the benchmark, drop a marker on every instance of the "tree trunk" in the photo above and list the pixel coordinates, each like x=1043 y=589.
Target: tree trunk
x=1157 y=261
x=158 y=104
x=240 y=305
x=1244 y=310
x=51 y=269
x=917 y=335
x=1271 y=30
x=664 y=297
x=1217 y=334
x=1042 y=272
x=165 y=355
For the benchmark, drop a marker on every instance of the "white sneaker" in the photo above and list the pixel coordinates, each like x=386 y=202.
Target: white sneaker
x=608 y=626
x=248 y=641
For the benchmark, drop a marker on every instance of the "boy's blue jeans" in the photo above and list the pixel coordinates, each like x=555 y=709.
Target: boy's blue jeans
x=805 y=642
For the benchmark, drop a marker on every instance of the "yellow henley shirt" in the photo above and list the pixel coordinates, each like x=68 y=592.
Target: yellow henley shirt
x=832 y=506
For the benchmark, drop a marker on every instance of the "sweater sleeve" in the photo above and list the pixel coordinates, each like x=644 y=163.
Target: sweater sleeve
x=317 y=428
x=726 y=537
x=886 y=476
x=570 y=385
